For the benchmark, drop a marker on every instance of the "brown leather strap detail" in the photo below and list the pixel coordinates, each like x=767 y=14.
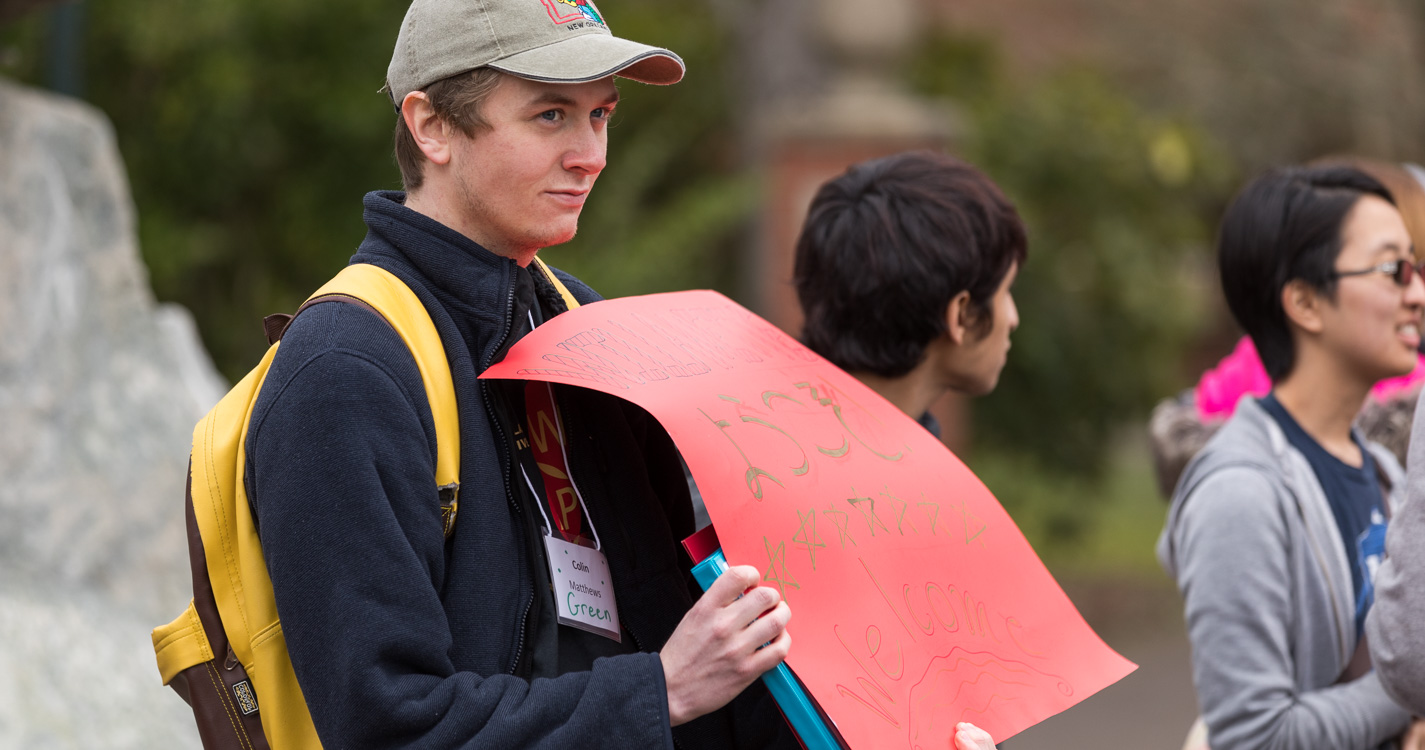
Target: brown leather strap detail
x=179 y=683
x=276 y=324
x=337 y=297
x=219 y=722
x=210 y=686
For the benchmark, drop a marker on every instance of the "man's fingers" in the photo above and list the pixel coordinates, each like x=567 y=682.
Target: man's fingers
x=769 y=625
x=730 y=585
x=734 y=634
x=752 y=604
x=769 y=656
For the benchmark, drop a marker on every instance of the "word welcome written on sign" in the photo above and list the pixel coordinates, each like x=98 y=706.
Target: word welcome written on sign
x=917 y=602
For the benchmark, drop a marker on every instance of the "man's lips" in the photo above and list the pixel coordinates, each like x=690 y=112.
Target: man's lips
x=569 y=198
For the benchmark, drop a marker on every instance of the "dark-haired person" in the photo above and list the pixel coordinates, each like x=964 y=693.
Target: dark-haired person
x=1181 y=425
x=1277 y=526
x=870 y=240
x=903 y=269
x=415 y=623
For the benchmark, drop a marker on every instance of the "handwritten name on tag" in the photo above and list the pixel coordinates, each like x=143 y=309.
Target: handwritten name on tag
x=583 y=588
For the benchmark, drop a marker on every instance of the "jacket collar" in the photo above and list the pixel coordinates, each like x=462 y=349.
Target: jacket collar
x=486 y=294
x=448 y=259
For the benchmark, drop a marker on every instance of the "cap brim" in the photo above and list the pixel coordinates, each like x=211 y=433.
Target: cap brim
x=594 y=56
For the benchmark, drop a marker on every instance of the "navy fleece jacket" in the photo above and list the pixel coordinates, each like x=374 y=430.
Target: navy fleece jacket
x=402 y=638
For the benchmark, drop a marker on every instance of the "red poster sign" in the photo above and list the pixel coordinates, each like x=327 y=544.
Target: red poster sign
x=917 y=603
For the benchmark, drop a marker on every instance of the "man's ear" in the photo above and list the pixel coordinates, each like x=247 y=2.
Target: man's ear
x=1302 y=305
x=960 y=318
x=432 y=134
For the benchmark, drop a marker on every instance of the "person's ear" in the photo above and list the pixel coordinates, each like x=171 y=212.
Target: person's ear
x=1302 y=305
x=432 y=134
x=960 y=318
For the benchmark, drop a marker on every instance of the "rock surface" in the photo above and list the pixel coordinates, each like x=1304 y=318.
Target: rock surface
x=100 y=387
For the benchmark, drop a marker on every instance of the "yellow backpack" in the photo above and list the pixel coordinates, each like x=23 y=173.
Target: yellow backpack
x=225 y=655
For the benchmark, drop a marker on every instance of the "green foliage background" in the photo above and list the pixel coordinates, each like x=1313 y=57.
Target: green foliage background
x=251 y=131
x=1120 y=206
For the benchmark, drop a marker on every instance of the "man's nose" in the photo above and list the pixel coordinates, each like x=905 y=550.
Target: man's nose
x=589 y=152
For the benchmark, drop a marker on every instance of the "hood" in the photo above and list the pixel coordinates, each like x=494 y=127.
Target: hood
x=1251 y=439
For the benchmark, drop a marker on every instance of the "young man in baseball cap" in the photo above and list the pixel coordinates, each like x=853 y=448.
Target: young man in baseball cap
x=414 y=621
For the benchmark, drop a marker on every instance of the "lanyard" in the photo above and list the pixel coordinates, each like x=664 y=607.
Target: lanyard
x=580 y=578
x=547 y=447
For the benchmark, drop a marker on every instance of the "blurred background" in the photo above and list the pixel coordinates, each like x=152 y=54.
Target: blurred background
x=248 y=133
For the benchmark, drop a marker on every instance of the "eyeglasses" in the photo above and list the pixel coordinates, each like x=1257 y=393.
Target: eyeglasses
x=1399 y=271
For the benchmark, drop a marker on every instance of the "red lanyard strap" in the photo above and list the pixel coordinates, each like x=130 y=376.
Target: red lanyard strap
x=547 y=443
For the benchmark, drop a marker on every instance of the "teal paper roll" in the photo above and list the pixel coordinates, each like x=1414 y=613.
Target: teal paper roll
x=796 y=705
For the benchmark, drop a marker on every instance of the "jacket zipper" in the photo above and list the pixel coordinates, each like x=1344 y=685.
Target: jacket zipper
x=569 y=433
x=503 y=447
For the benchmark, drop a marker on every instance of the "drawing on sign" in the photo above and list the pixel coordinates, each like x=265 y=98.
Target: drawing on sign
x=840 y=519
x=808 y=538
x=777 y=567
x=957 y=684
x=964 y=685
x=917 y=603
x=845 y=446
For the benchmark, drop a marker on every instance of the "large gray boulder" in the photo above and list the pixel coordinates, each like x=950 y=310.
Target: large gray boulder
x=100 y=387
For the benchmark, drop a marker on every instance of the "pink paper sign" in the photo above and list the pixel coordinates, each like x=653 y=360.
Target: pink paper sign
x=917 y=603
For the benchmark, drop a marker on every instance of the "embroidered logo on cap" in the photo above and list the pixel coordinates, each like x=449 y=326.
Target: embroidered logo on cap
x=573 y=12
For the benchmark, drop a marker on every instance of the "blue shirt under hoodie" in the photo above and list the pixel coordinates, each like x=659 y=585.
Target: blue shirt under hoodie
x=1354 y=494
x=402 y=638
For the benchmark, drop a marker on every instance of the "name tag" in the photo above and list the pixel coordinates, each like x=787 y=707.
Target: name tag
x=583 y=588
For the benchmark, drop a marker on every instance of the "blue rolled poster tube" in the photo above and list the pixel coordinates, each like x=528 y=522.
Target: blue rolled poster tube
x=796 y=705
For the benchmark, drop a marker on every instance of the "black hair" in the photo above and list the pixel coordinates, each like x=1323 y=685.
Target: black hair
x=885 y=248
x=1285 y=225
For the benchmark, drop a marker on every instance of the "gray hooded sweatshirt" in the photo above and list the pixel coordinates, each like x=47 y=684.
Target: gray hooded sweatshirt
x=1270 y=607
x=1395 y=626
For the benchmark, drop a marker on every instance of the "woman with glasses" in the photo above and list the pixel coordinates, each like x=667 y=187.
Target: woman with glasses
x=1277 y=526
x=1182 y=424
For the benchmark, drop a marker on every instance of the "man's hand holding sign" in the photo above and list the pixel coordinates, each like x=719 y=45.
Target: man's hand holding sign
x=919 y=604
x=718 y=626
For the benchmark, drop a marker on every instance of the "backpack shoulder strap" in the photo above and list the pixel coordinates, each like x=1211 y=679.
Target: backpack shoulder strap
x=254 y=698
x=393 y=300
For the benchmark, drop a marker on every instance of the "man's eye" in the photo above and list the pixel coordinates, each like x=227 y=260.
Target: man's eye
x=602 y=113
x=552 y=115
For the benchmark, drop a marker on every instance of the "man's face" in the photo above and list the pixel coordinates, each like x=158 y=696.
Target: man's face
x=522 y=183
x=973 y=368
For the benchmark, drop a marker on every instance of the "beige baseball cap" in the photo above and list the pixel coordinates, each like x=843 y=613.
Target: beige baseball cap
x=561 y=41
